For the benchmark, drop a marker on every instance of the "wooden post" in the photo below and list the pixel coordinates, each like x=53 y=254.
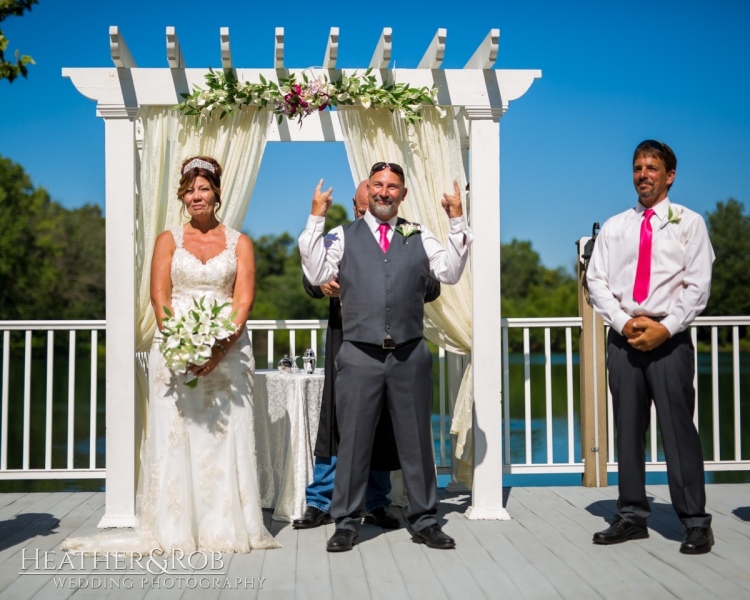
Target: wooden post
x=593 y=385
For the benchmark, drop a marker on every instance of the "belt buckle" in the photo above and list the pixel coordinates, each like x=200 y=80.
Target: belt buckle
x=388 y=344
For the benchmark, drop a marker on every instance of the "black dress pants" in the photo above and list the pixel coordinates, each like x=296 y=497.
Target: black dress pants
x=664 y=375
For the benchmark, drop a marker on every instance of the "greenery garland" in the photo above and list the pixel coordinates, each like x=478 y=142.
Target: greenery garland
x=297 y=99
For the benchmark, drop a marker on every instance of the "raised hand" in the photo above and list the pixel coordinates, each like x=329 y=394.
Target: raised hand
x=452 y=203
x=321 y=200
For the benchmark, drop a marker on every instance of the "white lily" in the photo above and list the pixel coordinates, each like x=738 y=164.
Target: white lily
x=407 y=229
x=189 y=338
x=675 y=214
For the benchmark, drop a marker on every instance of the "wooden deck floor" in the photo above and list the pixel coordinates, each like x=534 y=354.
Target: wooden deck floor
x=545 y=551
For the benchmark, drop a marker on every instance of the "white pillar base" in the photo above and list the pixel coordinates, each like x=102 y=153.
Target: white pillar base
x=117 y=521
x=487 y=513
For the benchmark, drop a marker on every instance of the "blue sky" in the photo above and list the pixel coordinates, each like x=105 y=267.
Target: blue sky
x=613 y=73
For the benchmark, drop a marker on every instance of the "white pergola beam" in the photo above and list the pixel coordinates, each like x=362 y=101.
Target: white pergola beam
x=174 y=51
x=475 y=88
x=433 y=58
x=332 y=49
x=382 y=55
x=226 y=50
x=118 y=49
x=486 y=55
x=278 y=49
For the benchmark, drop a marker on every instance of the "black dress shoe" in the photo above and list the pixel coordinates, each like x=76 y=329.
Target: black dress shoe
x=620 y=531
x=384 y=518
x=313 y=517
x=342 y=540
x=697 y=540
x=434 y=537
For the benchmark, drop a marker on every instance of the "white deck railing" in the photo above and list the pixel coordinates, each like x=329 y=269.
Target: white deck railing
x=538 y=437
x=75 y=403
x=720 y=397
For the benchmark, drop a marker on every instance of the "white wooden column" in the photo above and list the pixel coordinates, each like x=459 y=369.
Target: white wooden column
x=119 y=147
x=484 y=178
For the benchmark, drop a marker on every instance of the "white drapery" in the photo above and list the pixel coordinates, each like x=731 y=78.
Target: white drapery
x=237 y=141
x=430 y=154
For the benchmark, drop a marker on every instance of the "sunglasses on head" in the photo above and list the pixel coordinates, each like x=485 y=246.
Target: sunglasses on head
x=655 y=145
x=393 y=167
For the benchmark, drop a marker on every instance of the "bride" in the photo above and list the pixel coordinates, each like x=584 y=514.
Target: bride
x=198 y=487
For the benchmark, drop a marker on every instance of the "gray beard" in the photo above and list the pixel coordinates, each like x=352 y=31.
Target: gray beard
x=382 y=211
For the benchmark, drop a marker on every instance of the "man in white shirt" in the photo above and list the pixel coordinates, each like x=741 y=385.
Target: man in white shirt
x=649 y=277
x=383 y=358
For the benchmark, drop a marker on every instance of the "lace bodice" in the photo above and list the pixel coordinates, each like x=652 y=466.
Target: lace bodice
x=192 y=279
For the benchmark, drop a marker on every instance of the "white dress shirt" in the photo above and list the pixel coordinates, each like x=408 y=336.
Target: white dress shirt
x=321 y=255
x=681 y=259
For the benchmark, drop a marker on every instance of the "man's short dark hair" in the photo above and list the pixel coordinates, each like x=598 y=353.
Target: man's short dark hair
x=659 y=150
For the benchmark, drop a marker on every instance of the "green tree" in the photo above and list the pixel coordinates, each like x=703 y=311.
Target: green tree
x=81 y=264
x=51 y=259
x=29 y=247
x=529 y=289
x=520 y=269
x=10 y=70
x=336 y=216
x=729 y=228
x=271 y=252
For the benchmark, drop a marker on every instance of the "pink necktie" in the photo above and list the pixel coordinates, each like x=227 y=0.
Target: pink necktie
x=643 y=270
x=384 y=227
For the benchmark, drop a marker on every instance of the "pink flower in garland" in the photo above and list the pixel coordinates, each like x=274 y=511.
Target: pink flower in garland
x=305 y=98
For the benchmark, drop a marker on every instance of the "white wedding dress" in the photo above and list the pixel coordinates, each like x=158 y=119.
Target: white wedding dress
x=198 y=485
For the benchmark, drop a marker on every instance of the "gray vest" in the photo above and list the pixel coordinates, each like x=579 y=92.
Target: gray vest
x=382 y=294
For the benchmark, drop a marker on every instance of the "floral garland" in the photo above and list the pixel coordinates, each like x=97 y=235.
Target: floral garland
x=297 y=99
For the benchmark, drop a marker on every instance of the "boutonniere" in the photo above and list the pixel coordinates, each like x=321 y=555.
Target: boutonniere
x=406 y=229
x=675 y=214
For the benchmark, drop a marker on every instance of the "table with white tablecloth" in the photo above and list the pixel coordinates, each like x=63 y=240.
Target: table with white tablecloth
x=286 y=407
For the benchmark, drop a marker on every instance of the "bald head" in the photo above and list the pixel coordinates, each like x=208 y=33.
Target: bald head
x=361 y=200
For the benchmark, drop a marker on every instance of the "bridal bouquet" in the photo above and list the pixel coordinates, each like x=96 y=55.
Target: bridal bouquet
x=188 y=339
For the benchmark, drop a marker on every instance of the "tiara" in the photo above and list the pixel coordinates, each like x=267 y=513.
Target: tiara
x=198 y=163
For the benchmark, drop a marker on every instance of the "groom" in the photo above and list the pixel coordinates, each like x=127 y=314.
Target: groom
x=383 y=272
x=319 y=492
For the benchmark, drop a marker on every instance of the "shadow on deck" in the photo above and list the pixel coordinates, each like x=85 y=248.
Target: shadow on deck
x=544 y=551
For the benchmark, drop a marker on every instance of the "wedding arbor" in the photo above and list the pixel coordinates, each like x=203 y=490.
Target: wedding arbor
x=145 y=141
